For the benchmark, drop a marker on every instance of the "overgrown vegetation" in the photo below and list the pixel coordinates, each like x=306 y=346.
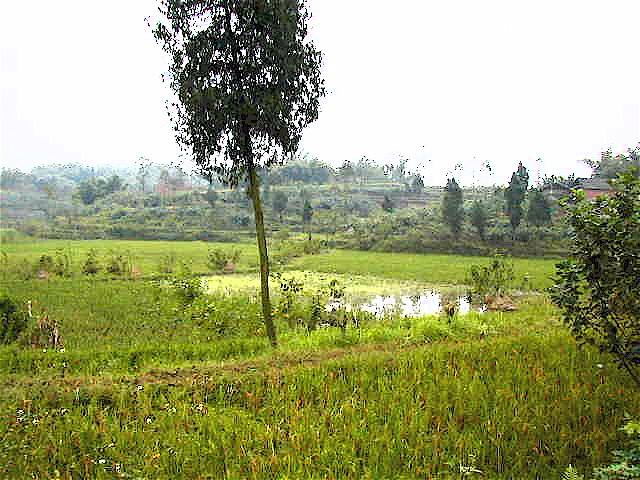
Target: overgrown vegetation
x=597 y=288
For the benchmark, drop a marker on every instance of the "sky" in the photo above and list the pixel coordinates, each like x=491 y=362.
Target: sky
x=443 y=83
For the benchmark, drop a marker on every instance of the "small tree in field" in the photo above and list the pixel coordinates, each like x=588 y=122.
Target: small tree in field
x=247 y=81
x=452 y=211
x=279 y=203
x=478 y=216
x=307 y=215
x=515 y=194
x=539 y=211
x=597 y=289
x=387 y=204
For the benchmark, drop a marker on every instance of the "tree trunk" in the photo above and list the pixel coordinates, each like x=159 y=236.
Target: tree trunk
x=264 y=259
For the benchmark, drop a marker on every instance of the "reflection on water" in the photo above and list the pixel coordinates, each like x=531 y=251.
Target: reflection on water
x=426 y=303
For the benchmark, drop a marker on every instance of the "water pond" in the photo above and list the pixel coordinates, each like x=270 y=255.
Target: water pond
x=428 y=302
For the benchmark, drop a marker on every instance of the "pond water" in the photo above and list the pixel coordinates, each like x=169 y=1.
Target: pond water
x=426 y=303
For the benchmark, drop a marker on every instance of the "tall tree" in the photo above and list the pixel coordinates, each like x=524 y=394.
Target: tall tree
x=307 y=215
x=539 y=211
x=247 y=82
x=478 y=216
x=452 y=211
x=610 y=165
x=515 y=194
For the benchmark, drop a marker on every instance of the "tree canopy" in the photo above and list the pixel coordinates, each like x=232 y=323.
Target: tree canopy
x=452 y=211
x=246 y=81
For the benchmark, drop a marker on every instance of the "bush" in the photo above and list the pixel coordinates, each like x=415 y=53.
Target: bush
x=626 y=463
x=597 y=288
x=167 y=263
x=91 y=265
x=119 y=265
x=494 y=279
x=13 y=321
x=62 y=267
x=45 y=263
x=187 y=287
x=218 y=258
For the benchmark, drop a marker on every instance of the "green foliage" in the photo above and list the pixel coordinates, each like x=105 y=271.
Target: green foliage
x=119 y=264
x=452 y=211
x=307 y=212
x=13 y=320
x=572 y=473
x=539 y=211
x=91 y=265
x=219 y=258
x=290 y=292
x=279 y=203
x=286 y=250
x=167 y=263
x=187 y=287
x=63 y=266
x=45 y=263
x=626 y=464
x=90 y=190
x=597 y=289
x=515 y=194
x=494 y=280
x=610 y=166
x=387 y=204
x=478 y=216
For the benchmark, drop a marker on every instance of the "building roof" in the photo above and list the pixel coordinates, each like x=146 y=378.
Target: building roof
x=595 y=183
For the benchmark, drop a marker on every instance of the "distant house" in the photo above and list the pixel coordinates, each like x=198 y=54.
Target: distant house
x=596 y=185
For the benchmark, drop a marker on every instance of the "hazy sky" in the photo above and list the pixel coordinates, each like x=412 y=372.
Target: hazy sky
x=440 y=82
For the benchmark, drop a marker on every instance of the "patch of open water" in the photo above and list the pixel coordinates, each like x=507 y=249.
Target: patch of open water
x=429 y=302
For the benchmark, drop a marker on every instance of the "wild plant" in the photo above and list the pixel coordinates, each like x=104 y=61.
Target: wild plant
x=91 y=264
x=218 y=259
x=13 y=320
x=492 y=280
x=290 y=290
x=167 y=263
x=119 y=264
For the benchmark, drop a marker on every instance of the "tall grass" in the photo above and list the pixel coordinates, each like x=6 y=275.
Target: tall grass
x=512 y=407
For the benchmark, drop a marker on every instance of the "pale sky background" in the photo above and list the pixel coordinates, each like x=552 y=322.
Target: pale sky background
x=440 y=82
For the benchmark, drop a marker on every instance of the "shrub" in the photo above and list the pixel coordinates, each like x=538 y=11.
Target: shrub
x=187 y=286
x=626 y=463
x=596 y=288
x=119 y=265
x=13 y=321
x=62 y=266
x=167 y=263
x=91 y=265
x=218 y=258
x=290 y=290
x=494 y=279
x=45 y=263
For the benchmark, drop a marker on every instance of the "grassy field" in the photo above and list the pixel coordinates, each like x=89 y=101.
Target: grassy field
x=143 y=388
x=431 y=268
x=146 y=255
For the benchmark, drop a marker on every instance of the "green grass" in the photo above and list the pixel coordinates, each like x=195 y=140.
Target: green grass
x=425 y=268
x=142 y=391
x=146 y=255
x=520 y=407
